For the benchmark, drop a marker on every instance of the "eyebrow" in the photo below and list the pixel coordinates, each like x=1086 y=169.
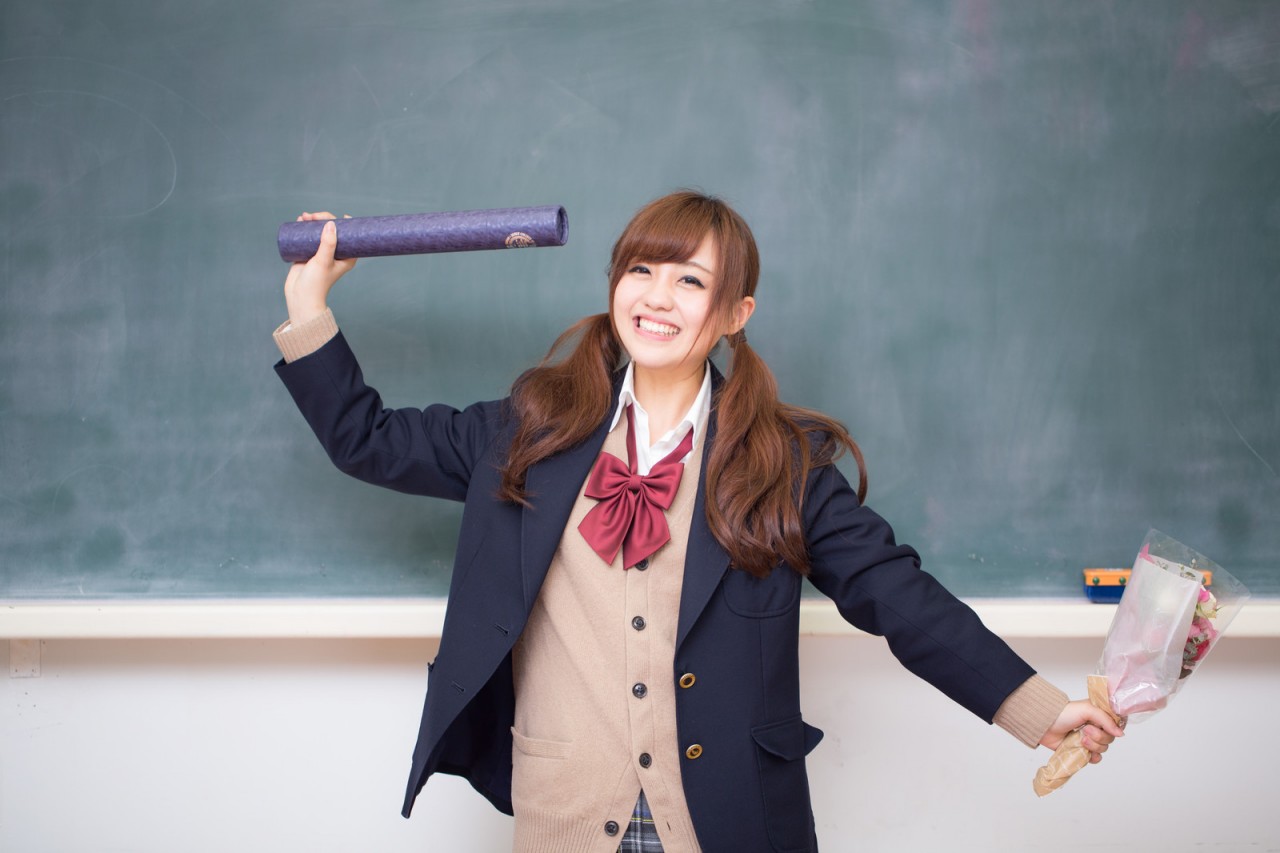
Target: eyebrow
x=688 y=263
x=693 y=263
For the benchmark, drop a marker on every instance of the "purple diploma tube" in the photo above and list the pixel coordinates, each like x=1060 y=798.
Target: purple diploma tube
x=423 y=233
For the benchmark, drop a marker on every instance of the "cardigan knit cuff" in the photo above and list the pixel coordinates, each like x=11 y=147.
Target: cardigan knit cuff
x=1028 y=712
x=302 y=340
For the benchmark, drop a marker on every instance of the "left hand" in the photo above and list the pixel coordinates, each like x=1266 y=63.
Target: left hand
x=1097 y=728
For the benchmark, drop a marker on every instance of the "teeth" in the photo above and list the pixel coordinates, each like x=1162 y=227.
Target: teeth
x=656 y=328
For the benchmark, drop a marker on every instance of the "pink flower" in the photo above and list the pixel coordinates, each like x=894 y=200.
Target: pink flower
x=1202 y=634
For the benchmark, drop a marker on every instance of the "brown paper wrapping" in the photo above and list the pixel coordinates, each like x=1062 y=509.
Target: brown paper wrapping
x=1070 y=756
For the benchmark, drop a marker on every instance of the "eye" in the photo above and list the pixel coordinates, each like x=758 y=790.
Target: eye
x=692 y=281
x=639 y=269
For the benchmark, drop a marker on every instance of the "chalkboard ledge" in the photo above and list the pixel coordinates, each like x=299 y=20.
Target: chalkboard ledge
x=424 y=617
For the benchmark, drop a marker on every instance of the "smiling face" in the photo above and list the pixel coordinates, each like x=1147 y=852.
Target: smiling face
x=682 y=275
x=663 y=313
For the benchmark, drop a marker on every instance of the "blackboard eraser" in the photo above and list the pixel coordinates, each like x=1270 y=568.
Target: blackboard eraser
x=1106 y=586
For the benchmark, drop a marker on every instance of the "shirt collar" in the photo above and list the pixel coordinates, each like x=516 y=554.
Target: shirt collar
x=696 y=418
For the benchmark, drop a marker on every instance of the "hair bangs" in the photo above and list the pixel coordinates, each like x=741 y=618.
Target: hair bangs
x=668 y=230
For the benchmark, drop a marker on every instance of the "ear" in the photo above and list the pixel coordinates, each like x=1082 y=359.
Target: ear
x=742 y=313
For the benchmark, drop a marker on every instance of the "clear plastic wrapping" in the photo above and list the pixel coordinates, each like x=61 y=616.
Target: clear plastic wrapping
x=1175 y=609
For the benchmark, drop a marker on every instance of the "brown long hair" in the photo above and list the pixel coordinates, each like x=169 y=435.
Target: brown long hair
x=764 y=449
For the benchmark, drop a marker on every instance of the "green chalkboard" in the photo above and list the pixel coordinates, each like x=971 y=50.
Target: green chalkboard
x=1028 y=251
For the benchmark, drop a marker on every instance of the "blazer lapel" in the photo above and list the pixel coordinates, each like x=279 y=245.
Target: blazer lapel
x=705 y=559
x=553 y=485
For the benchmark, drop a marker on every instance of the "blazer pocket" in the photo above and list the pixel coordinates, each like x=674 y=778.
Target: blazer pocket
x=780 y=751
x=760 y=598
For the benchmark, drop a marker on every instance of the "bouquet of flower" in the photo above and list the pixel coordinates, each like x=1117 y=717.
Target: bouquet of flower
x=1167 y=622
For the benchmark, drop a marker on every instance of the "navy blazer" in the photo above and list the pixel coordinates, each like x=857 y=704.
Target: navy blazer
x=737 y=634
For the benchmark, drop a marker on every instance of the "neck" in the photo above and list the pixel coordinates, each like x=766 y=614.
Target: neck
x=666 y=398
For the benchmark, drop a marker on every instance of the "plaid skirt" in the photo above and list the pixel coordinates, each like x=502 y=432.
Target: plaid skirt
x=641 y=835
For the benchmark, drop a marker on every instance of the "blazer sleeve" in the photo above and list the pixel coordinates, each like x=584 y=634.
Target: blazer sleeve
x=431 y=451
x=879 y=587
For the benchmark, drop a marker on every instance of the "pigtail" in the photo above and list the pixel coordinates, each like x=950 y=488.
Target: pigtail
x=559 y=403
x=756 y=474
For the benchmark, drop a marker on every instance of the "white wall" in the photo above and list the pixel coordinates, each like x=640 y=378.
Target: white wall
x=303 y=745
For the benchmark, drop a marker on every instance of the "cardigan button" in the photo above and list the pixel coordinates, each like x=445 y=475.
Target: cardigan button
x=645 y=759
x=638 y=623
x=687 y=680
x=694 y=751
x=640 y=690
x=643 y=564
x=611 y=828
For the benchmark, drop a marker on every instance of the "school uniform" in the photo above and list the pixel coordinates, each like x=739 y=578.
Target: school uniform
x=739 y=737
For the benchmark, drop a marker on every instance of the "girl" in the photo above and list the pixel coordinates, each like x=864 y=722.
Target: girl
x=618 y=664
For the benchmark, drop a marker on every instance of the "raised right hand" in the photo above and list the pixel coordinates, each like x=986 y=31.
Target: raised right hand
x=307 y=286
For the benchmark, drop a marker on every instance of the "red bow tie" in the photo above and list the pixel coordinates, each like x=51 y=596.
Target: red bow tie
x=631 y=512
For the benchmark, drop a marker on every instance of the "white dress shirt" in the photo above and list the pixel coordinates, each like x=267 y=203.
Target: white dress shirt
x=695 y=419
